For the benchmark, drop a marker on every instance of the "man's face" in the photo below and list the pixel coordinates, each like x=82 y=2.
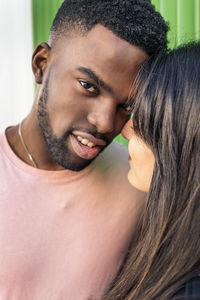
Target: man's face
x=81 y=101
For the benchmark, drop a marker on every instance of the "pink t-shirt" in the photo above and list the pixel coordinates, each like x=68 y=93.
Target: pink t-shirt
x=64 y=234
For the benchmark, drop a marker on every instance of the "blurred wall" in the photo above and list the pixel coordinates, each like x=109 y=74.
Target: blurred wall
x=16 y=80
x=183 y=17
x=43 y=14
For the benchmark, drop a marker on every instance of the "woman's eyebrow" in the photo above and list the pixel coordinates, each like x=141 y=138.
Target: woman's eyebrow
x=96 y=78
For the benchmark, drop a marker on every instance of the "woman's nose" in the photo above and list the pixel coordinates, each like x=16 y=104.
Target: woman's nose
x=127 y=130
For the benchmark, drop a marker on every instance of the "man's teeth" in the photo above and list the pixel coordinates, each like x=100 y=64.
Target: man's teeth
x=85 y=142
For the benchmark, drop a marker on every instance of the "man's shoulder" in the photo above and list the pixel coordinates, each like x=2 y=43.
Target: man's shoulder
x=113 y=167
x=116 y=151
x=114 y=155
x=113 y=163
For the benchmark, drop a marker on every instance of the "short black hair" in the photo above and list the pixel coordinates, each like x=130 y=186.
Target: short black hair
x=135 y=21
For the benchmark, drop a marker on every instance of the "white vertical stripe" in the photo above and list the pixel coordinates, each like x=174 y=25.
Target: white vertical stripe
x=16 y=80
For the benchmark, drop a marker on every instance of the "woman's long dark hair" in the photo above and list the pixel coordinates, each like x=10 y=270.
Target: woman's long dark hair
x=167 y=118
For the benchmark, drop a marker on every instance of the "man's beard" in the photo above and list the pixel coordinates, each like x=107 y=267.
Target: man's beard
x=57 y=147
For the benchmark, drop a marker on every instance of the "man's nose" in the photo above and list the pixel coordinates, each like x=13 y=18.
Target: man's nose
x=127 y=131
x=103 y=119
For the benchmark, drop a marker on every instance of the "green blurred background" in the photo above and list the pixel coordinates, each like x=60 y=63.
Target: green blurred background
x=183 y=17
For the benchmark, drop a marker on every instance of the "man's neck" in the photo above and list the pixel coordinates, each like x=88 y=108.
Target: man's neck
x=34 y=142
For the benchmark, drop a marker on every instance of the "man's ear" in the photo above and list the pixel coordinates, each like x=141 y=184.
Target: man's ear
x=39 y=61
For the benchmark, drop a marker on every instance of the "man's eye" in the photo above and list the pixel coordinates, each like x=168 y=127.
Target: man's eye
x=89 y=87
x=127 y=108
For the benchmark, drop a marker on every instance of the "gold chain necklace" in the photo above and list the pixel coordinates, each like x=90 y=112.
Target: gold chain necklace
x=25 y=147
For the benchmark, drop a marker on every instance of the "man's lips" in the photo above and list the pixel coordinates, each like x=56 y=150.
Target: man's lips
x=90 y=137
x=84 y=150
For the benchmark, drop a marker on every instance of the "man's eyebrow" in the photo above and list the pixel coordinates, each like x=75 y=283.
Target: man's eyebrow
x=96 y=78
